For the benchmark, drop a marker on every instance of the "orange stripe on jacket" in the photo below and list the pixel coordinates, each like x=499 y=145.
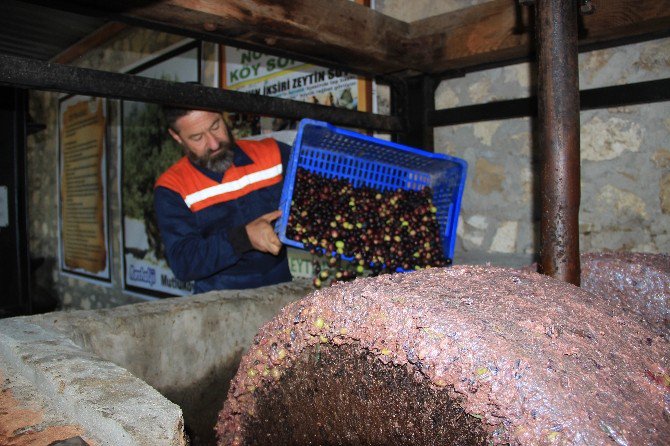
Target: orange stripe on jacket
x=200 y=191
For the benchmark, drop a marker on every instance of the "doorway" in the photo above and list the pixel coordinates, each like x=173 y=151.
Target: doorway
x=15 y=269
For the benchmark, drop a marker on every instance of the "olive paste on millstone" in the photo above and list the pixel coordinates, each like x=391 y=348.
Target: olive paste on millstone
x=633 y=282
x=467 y=355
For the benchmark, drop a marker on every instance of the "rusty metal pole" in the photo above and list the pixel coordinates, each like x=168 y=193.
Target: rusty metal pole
x=558 y=113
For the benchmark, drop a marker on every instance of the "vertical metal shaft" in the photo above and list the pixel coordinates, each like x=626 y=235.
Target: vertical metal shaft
x=558 y=113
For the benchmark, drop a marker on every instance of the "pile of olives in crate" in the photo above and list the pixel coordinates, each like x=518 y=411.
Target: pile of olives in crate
x=376 y=231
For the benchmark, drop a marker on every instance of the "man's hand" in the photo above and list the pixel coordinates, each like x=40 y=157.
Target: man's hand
x=262 y=235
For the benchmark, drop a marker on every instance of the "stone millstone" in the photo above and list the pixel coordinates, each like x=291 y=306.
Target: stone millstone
x=463 y=355
x=638 y=283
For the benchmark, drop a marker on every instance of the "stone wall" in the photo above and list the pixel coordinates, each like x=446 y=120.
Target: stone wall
x=625 y=159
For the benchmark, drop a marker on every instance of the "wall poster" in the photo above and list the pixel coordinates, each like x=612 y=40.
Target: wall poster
x=83 y=220
x=253 y=72
x=147 y=151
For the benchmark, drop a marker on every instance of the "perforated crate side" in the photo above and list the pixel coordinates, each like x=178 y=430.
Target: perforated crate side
x=365 y=161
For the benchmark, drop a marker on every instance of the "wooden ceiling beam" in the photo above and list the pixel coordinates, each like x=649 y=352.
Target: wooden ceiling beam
x=616 y=20
x=488 y=33
x=336 y=33
x=343 y=34
x=501 y=31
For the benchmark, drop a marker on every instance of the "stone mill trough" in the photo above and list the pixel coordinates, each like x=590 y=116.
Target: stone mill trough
x=461 y=355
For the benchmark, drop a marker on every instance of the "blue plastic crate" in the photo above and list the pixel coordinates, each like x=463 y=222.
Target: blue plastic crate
x=333 y=152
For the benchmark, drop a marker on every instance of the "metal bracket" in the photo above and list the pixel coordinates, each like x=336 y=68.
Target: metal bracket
x=585 y=6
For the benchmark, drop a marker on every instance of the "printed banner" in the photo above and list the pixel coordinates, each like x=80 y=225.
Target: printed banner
x=253 y=72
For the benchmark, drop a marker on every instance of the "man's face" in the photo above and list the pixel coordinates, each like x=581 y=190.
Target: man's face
x=206 y=139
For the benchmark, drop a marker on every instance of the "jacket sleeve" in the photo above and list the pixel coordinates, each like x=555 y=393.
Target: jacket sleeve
x=192 y=256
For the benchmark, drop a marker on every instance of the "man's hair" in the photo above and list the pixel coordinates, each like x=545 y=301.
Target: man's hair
x=172 y=114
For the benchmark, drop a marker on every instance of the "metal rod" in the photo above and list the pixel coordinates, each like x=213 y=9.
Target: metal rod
x=558 y=118
x=29 y=73
x=490 y=111
x=592 y=99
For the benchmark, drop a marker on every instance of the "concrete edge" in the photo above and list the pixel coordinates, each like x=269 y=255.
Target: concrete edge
x=114 y=406
x=268 y=293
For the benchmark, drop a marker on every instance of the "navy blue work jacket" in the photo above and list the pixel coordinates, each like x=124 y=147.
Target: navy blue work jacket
x=210 y=245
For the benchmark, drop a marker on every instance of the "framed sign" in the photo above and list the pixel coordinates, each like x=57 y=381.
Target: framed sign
x=83 y=219
x=147 y=151
x=283 y=77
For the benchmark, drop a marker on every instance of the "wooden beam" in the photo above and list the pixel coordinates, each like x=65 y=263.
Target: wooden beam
x=470 y=37
x=615 y=20
x=500 y=32
x=338 y=33
x=90 y=42
x=343 y=34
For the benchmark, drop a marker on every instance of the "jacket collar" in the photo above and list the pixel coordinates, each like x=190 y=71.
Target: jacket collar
x=239 y=159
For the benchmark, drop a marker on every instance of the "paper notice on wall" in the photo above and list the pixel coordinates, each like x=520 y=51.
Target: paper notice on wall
x=84 y=247
x=4 y=207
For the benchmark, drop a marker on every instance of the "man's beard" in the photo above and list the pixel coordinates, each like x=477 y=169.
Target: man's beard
x=218 y=162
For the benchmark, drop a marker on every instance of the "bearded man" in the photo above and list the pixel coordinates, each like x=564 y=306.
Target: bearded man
x=215 y=207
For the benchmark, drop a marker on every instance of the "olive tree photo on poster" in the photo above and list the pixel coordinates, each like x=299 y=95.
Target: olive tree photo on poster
x=147 y=151
x=82 y=174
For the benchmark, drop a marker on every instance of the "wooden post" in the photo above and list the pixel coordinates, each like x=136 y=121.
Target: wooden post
x=558 y=114
x=417 y=99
